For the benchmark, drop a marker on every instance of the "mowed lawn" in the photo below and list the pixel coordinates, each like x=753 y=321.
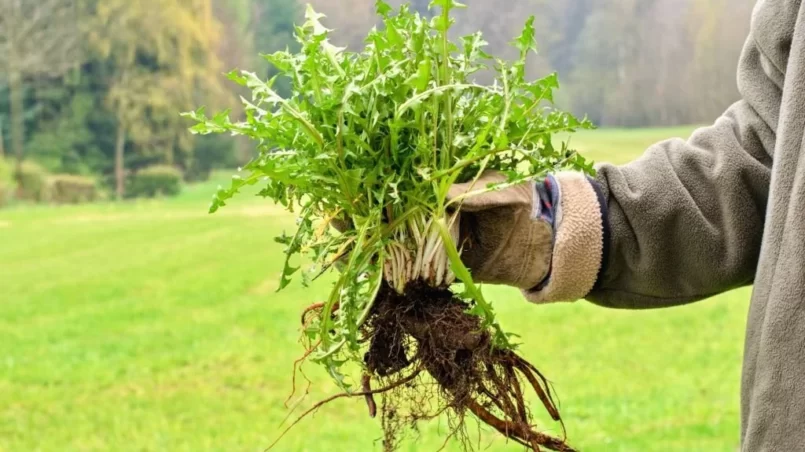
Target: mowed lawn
x=153 y=326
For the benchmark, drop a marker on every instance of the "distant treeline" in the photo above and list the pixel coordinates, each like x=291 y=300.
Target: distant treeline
x=94 y=87
x=628 y=63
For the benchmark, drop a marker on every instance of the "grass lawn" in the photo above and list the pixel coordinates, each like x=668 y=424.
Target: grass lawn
x=153 y=326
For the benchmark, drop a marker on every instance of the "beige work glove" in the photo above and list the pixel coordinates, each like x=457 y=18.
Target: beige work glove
x=503 y=241
x=546 y=242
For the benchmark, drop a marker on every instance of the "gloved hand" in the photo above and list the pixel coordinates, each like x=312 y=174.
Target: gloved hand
x=544 y=238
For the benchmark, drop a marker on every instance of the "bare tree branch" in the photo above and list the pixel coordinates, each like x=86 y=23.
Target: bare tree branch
x=38 y=36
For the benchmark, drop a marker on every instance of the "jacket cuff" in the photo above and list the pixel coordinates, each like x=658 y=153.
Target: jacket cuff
x=579 y=239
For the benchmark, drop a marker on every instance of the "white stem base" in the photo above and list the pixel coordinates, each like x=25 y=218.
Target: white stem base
x=418 y=253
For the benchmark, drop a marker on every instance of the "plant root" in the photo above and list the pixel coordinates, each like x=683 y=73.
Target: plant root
x=431 y=357
x=366 y=386
x=431 y=329
x=320 y=404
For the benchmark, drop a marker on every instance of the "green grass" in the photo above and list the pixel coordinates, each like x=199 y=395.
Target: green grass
x=621 y=145
x=153 y=326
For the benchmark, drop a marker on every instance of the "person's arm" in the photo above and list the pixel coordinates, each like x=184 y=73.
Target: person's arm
x=681 y=223
x=685 y=220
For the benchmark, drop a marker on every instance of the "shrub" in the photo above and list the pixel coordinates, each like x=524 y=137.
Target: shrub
x=72 y=189
x=210 y=152
x=33 y=182
x=157 y=180
x=197 y=171
x=6 y=181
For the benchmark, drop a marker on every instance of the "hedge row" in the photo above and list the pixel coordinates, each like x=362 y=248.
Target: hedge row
x=6 y=182
x=37 y=185
x=71 y=189
x=34 y=183
x=154 y=181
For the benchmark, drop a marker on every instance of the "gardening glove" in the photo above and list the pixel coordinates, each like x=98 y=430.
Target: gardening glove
x=545 y=238
x=340 y=225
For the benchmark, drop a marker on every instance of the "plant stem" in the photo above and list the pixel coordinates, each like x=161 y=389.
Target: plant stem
x=447 y=156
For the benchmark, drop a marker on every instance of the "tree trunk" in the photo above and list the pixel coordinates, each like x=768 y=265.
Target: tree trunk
x=120 y=177
x=17 y=121
x=2 y=144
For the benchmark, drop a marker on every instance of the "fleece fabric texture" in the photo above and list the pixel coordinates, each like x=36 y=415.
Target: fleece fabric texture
x=726 y=208
x=578 y=242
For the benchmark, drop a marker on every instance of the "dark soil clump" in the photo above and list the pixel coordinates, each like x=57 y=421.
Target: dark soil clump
x=428 y=331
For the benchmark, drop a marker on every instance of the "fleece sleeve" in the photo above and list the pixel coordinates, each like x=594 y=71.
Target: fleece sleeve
x=685 y=220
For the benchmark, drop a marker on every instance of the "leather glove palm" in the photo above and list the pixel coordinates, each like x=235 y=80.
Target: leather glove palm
x=545 y=238
x=505 y=238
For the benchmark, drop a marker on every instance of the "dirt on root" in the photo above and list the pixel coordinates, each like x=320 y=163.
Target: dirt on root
x=431 y=357
x=427 y=356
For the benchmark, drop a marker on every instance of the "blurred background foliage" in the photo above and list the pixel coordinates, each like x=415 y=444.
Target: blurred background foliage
x=92 y=88
x=151 y=325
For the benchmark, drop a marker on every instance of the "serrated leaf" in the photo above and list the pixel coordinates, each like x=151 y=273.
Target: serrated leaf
x=526 y=41
x=393 y=36
x=236 y=77
x=313 y=21
x=382 y=8
x=442 y=24
x=379 y=134
x=285 y=278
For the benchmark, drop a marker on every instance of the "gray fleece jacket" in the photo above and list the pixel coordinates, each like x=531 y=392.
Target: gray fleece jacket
x=723 y=209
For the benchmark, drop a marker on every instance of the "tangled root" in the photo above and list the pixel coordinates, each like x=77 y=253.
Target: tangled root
x=427 y=356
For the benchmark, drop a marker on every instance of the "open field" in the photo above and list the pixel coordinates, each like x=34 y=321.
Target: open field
x=153 y=326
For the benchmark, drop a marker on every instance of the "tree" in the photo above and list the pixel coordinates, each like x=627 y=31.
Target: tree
x=714 y=53
x=94 y=86
x=37 y=37
x=272 y=27
x=235 y=41
x=2 y=140
x=62 y=138
x=159 y=56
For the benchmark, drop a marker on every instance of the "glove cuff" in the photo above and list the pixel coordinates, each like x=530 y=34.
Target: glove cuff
x=579 y=240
